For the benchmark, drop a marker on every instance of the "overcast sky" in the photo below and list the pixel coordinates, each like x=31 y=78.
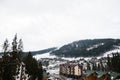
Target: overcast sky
x=50 y=23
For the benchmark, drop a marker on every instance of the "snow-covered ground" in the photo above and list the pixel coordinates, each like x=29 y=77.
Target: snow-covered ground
x=53 y=71
x=53 y=68
x=45 y=55
x=70 y=59
x=112 y=51
x=48 y=55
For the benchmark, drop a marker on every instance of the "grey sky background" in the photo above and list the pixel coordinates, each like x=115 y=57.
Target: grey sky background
x=48 y=23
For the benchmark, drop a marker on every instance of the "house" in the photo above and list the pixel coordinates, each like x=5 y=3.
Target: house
x=71 y=70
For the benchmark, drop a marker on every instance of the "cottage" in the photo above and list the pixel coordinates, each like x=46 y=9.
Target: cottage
x=71 y=70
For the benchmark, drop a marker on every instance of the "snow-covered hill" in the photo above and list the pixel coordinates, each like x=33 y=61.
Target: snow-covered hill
x=48 y=55
x=83 y=49
x=87 y=48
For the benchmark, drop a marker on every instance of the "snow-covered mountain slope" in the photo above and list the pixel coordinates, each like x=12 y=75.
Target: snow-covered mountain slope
x=83 y=48
x=48 y=55
x=87 y=48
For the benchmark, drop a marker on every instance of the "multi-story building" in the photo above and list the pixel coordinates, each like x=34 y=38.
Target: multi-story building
x=71 y=70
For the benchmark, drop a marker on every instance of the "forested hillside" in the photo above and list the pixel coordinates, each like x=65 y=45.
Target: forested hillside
x=87 y=48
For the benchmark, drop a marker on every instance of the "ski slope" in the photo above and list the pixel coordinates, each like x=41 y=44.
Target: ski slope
x=48 y=55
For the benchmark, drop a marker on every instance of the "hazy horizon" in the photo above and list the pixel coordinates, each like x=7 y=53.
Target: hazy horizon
x=51 y=23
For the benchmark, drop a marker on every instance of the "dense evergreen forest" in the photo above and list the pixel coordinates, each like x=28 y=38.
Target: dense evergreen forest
x=111 y=63
x=114 y=62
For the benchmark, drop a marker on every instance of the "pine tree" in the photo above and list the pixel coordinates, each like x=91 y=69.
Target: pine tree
x=14 y=43
x=5 y=47
x=11 y=60
x=20 y=49
x=33 y=68
x=20 y=45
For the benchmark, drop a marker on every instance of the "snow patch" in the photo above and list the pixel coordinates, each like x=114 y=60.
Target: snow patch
x=112 y=51
x=53 y=71
x=94 y=46
x=71 y=59
x=45 y=55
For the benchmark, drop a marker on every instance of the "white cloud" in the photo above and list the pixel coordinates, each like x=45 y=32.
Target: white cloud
x=47 y=23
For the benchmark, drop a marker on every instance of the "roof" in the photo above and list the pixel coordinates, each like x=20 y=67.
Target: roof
x=71 y=64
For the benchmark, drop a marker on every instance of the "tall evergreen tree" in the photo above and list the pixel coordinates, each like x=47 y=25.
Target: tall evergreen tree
x=11 y=61
x=5 y=47
x=33 y=68
x=14 y=43
x=20 y=45
x=20 y=49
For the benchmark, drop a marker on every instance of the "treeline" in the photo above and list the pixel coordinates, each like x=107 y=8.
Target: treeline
x=33 y=68
x=41 y=51
x=114 y=62
x=13 y=65
x=109 y=63
x=79 y=49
